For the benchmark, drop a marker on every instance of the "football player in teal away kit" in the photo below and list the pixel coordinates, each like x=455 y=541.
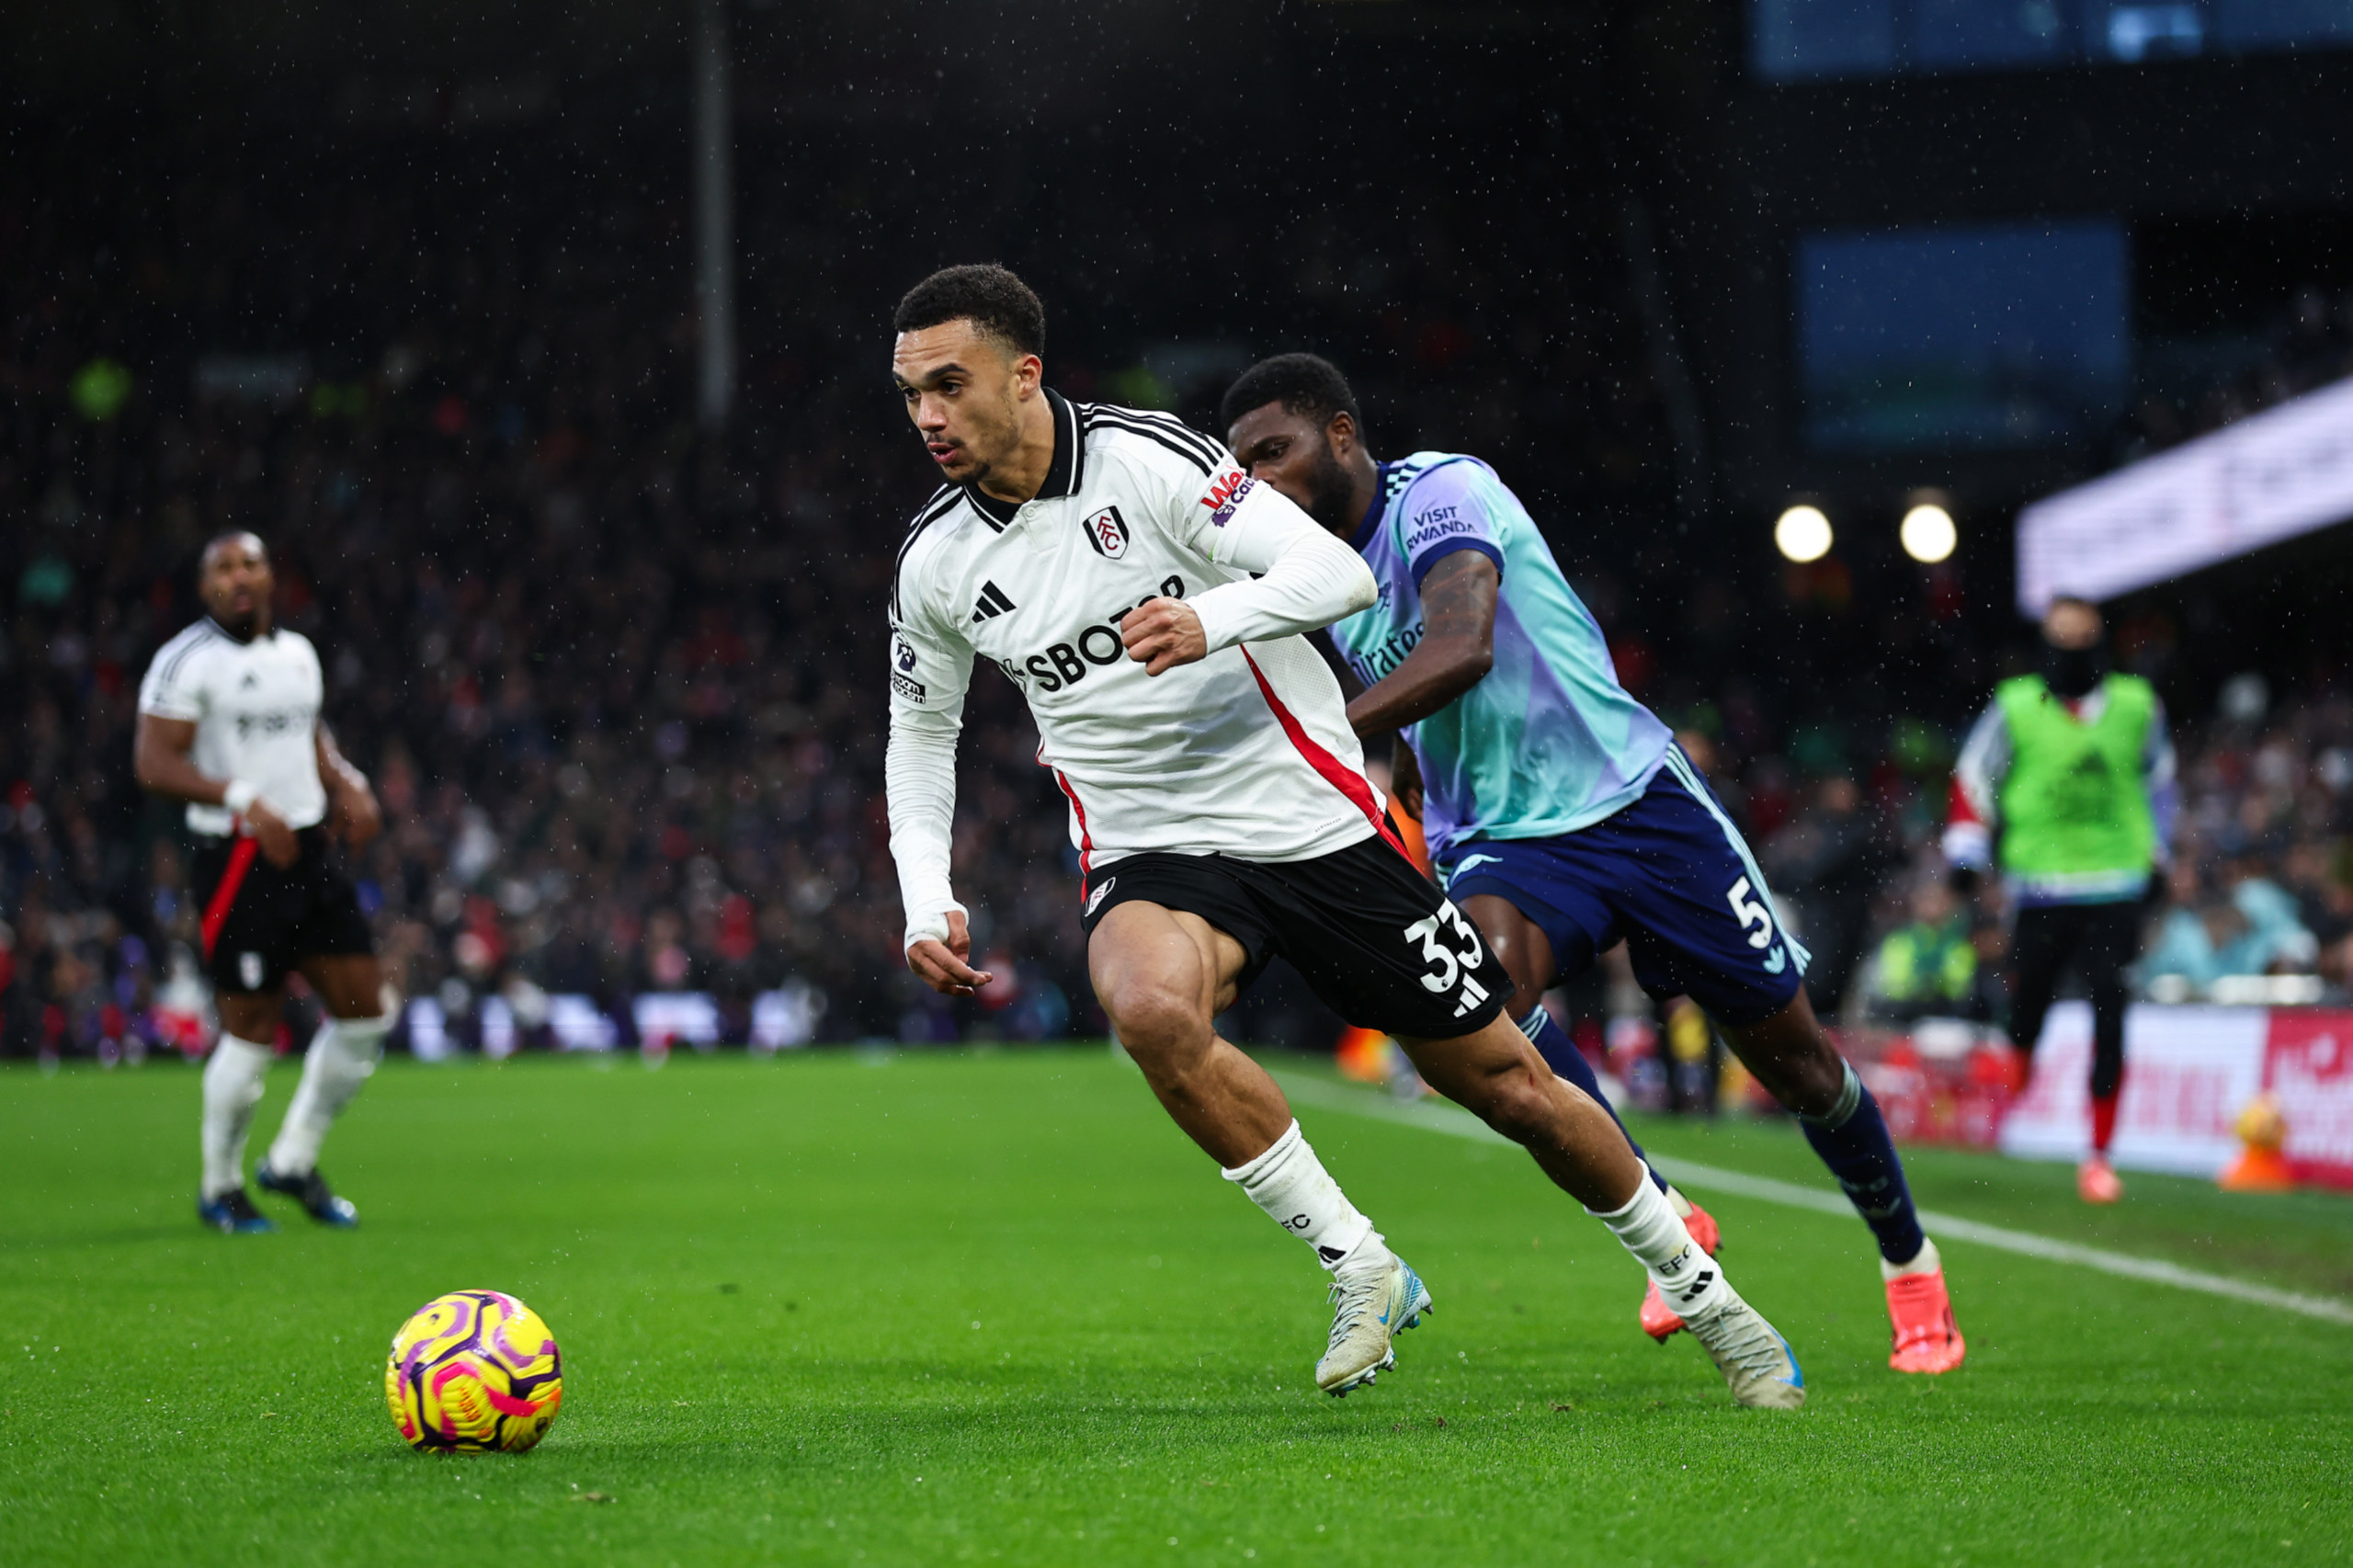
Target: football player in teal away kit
x=1560 y=813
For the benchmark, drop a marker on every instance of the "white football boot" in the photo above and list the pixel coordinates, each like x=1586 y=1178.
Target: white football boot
x=1371 y=1304
x=1755 y=1359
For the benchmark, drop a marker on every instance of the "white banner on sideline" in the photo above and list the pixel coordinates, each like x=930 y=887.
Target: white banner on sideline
x=787 y=1017
x=2277 y=474
x=2189 y=1071
x=429 y=1030
x=499 y=1037
x=578 y=1024
x=671 y=1017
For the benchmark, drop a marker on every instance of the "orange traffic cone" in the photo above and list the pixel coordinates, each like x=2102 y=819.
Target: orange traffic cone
x=1364 y=1056
x=2260 y=1168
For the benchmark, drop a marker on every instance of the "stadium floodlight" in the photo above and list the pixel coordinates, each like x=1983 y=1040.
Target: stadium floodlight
x=1802 y=534
x=1929 y=534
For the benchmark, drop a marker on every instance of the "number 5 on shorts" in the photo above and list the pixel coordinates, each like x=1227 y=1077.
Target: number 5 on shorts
x=1749 y=911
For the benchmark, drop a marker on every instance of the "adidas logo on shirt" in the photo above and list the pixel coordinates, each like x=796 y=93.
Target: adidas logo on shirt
x=994 y=602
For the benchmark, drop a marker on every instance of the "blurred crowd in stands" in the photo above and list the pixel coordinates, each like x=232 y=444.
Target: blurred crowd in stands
x=2307 y=344
x=618 y=679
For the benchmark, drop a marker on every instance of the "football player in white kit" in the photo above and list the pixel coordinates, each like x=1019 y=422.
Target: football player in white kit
x=1149 y=599
x=229 y=722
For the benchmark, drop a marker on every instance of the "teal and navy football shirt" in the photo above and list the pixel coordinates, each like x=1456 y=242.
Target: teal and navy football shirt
x=1548 y=742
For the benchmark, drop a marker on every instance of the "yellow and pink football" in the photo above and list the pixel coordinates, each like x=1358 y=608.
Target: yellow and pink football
x=474 y=1373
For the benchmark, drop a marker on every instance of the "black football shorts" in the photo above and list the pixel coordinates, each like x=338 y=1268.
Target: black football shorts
x=261 y=921
x=1371 y=935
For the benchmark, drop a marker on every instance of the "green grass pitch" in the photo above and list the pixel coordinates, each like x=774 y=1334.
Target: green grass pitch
x=939 y=1308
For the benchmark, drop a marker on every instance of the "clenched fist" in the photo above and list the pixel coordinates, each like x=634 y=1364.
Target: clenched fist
x=1163 y=634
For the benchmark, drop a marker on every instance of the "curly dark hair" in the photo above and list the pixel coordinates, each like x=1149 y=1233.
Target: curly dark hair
x=1303 y=383
x=989 y=297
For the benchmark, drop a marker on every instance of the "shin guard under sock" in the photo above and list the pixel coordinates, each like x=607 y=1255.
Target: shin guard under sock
x=1290 y=1184
x=232 y=1087
x=342 y=1056
x=1647 y=1227
x=1853 y=1140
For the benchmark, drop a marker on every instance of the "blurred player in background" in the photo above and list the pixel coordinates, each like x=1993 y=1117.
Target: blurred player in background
x=1148 y=599
x=1558 y=808
x=229 y=722
x=2071 y=773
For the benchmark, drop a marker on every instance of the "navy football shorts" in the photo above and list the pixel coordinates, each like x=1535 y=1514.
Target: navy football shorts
x=1669 y=874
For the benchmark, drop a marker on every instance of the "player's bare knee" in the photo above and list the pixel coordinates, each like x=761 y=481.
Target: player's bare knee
x=252 y=1017
x=1157 y=1016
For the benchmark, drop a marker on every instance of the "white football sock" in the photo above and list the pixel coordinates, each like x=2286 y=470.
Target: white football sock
x=1925 y=1262
x=232 y=1088
x=1290 y=1184
x=342 y=1055
x=1649 y=1229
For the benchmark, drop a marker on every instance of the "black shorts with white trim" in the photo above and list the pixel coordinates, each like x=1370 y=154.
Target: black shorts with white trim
x=1371 y=935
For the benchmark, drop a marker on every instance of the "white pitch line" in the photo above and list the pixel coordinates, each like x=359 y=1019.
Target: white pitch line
x=1454 y=1121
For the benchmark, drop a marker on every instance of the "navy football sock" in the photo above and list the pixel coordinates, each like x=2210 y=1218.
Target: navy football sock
x=1853 y=1142
x=1561 y=1054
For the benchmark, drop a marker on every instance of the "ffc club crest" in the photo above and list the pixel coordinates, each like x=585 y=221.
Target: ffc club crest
x=1107 y=532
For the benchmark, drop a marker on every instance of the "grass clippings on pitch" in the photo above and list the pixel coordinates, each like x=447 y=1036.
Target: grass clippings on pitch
x=994 y=1306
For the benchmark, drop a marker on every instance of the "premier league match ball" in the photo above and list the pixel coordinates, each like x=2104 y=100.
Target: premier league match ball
x=473 y=1371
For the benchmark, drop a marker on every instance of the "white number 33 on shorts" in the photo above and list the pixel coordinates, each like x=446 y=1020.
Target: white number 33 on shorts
x=1447 y=964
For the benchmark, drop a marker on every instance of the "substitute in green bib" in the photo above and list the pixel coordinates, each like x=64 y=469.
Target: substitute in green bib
x=2066 y=784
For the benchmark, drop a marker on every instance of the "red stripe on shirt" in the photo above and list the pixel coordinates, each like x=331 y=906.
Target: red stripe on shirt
x=1338 y=773
x=1958 y=809
x=216 y=913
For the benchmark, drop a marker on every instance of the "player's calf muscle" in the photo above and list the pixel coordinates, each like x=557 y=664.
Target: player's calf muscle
x=1516 y=1106
x=1498 y=1076
x=1492 y=1083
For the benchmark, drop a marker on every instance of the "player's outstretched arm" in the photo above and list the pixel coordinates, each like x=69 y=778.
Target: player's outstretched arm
x=1456 y=649
x=352 y=799
x=163 y=760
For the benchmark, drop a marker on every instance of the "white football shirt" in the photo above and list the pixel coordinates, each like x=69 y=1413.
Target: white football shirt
x=256 y=706
x=1247 y=753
